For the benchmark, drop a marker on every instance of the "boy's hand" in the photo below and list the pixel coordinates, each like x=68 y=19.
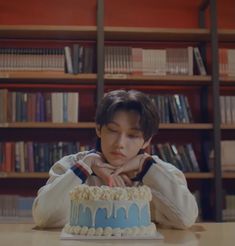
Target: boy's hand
x=133 y=166
x=93 y=158
x=105 y=171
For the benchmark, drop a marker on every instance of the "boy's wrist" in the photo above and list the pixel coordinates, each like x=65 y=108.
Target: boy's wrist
x=89 y=159
x=146 y=164
x=81 y=170
x=143 y=161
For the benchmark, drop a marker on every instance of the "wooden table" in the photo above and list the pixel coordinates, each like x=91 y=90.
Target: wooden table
x=208 y=234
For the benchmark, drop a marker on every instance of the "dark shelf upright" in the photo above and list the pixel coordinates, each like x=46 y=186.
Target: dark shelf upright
x=216 y=103
x=216 y=110
x=100 y=50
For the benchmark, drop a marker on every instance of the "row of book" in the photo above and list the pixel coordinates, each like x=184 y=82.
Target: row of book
x=197 y=195
x=139 y=61
x=32 y=59
x=15 y=206
x=38 y=157
x=228 y=213
x=79 y=59
x=173 y=108
x=118 y=60
x=72 y=59
x=56 y=107
x=34 y=156
x=227 y=155
x=227 y=62
x=227 y=109
x=181 y=156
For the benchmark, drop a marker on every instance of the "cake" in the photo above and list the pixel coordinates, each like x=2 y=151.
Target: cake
x=110 y=211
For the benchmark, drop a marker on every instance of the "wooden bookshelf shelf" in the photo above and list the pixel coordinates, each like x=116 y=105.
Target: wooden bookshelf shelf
x=45 y=175
x=156 y=34
x=227 y=80
x=44 y=75
x=227 y=126
x=48 y=32
x=79 y=125
x=24 y=175
x=228 y=175
x=202 y=91
x=207 y=175
x=195 y=126
x=158 y=80
x=226 y=35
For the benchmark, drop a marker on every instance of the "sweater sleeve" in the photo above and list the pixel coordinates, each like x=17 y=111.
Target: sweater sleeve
x=172 y=204
x=51 y=206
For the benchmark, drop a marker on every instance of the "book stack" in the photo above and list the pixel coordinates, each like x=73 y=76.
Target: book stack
x=227 y=109
x=79 y=59
x=15 y=207
x=75 y=59
x=152 y=62
x=226 y=62
x=181 y=156
x=34 y=156
x=173 y=108
x=56 y=107
x=228 y=212
x=32 y=59
x=227 y=155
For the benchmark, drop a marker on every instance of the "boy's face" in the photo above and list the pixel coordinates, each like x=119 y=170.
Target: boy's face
x=121 y=139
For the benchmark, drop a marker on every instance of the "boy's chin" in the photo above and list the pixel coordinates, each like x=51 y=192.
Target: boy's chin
x=116 y=163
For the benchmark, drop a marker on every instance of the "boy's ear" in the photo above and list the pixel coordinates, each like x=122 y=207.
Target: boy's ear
x=146 y=143
x=98 y=130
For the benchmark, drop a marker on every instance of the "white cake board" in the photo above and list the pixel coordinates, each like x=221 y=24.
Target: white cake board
x=66 y=236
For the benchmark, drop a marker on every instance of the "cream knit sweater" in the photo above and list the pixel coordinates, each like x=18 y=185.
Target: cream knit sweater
x=172 y=204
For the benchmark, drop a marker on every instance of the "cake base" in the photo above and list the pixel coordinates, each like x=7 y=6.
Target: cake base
x=66 y=236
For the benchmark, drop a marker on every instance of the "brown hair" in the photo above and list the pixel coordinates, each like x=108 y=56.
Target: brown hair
x=129 y=100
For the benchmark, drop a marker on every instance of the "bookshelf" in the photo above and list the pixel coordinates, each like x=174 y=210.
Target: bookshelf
x=204 y=126
x=203 y=89
x=226 y=39
x=28 y=183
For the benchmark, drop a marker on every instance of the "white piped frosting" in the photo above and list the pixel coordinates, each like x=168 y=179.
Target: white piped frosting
x=85 y=192
x=108 y=231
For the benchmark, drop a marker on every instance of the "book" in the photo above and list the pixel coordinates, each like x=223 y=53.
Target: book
x=227 y=155
x=68 y=59
x=199 y=61
x=193 y=159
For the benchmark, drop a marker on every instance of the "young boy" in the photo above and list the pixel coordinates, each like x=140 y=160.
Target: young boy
x=126 y=121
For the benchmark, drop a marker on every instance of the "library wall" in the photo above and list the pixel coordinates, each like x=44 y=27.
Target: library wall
x=54 y=12
x=168 y=13
x=153 y=13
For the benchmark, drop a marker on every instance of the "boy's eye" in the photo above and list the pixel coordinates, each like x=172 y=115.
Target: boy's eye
x=133 y=136
x=112 y=129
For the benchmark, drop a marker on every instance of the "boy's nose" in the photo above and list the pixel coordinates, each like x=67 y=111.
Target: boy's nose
x=120 y=141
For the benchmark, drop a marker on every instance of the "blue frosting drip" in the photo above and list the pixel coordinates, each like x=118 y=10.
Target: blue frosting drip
x=84 y=218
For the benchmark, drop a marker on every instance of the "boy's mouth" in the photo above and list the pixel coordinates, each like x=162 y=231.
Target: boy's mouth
x=118 y=154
